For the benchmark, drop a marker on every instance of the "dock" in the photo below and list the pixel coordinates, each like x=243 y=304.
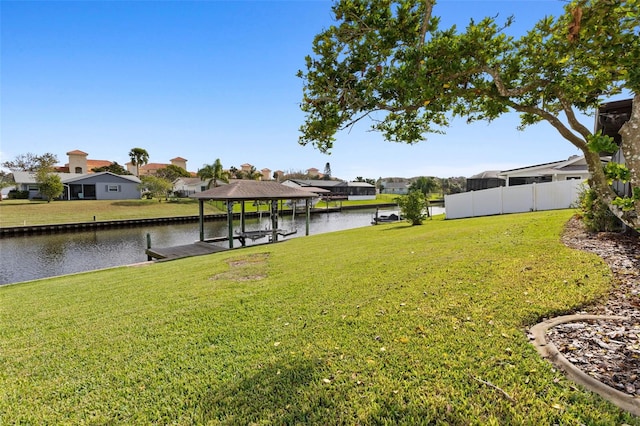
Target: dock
x=188 y=250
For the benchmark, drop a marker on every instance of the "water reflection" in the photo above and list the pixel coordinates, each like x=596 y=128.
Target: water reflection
x=40 y=256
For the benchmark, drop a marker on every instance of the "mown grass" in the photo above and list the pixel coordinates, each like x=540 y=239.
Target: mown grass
x=381 y=325
x=26 y=212
x=380 y=198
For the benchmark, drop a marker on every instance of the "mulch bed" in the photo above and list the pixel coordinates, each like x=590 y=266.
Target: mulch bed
x=607 y=350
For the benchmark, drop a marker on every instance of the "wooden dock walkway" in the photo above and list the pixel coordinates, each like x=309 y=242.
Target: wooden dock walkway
x=188 y=250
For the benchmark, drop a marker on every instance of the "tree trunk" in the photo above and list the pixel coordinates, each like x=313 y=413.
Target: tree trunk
x=630 y=147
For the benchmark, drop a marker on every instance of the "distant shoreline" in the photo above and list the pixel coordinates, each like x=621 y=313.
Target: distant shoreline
x=54 y=228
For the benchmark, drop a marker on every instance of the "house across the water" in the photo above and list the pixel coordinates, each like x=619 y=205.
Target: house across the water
x=84 y=186
x=338 y=190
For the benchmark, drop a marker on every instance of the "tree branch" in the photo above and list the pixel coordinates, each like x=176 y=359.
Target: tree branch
x=502 y=89
x=553 y=120
x=354 y=121
x=491 y=385
x=428 y=8
x=571 y=117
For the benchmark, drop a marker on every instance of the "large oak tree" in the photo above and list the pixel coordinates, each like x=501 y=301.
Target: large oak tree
x=390 y=57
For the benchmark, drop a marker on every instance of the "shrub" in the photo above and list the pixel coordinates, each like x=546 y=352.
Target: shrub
x=596 y=215
x=413 y=207
x=15 y=194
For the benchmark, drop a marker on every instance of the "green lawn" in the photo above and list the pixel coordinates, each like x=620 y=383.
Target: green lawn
x=387 y=324
x=380 y=199
x=26 y=212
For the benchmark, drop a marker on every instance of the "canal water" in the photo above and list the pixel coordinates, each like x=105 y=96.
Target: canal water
x=39 y=256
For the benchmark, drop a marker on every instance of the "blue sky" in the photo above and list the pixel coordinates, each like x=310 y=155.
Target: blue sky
x=216 y=79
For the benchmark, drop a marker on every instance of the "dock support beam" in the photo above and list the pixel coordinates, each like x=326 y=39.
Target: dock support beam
x=201 y=219
x=307 y=207
x=274 y=221
x=230 y=222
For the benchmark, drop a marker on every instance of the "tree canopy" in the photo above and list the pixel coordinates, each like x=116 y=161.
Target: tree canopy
x=172 y=172
x=424 y=184
x=31 y=162
x=413 y=207
x=139 y=157
x=214 y=173
x=392 y=58
x=155 y=187
x=49 y=184
x=113 y=168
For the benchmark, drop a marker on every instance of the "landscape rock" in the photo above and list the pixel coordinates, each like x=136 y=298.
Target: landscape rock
x=605 y=349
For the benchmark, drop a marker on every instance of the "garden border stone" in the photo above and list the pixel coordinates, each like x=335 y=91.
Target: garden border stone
x=549 y=351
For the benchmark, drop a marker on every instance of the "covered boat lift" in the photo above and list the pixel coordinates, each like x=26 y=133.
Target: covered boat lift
x=250 y=190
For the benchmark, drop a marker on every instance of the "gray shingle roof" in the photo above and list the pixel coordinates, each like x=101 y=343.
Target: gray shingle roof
x=253 y=190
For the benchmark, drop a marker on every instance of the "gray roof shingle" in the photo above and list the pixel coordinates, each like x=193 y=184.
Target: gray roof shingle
x=253 y=190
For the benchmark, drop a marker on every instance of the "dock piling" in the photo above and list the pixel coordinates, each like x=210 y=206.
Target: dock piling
x=149 y=258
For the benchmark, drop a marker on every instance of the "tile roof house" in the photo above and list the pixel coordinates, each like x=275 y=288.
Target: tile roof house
x=81 y=182
x=152 y=168
x=79 y=163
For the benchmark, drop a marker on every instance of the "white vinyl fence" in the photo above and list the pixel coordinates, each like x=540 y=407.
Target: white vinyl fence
x=514 y=199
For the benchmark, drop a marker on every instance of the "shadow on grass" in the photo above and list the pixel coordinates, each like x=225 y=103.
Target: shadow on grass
x=398 y=227
x=8 y=202
x=276 y=394
x=132 y=203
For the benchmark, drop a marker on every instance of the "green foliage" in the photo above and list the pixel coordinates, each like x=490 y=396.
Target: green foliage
x=31 y=162
x=155 y=187
x=49 y=184
x=16 y=194
x=616 y=171
x=413 y=207
x=426 y=185
x=600 y=143
x=370 y=181
x=379 y=325
x=113 y=168
x=628 y=203
x=595 y=214
x=214 y=173
x=172 y=172
x=391 y=58
x=139 y=157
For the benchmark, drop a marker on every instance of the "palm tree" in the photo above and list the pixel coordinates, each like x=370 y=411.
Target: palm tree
x=253 y=174
x=424 y=184
x=139 y=157
x=235 y=173
x=213 y=173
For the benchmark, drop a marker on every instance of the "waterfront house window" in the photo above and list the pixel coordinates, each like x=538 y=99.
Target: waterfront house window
x=33 y=188
x=113 y=188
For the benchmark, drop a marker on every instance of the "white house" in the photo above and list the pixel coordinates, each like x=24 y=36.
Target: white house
x=573 y=168
x=184 y=186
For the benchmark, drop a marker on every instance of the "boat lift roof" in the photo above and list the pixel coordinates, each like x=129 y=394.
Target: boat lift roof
x=247 y=190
